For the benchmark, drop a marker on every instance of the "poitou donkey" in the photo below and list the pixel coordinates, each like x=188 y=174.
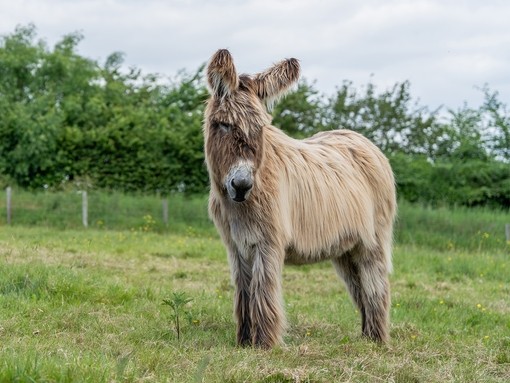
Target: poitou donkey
x=276 y=200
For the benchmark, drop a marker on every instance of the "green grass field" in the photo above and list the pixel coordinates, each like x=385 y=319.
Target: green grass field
x=87 y=304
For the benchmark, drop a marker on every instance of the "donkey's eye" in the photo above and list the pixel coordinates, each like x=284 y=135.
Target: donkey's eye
x=248 y=150
x=223 y=127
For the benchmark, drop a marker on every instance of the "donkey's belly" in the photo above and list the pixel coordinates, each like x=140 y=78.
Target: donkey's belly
x=296 y=256
x=293 y=257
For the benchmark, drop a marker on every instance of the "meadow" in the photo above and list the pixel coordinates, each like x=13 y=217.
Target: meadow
x=101 y=304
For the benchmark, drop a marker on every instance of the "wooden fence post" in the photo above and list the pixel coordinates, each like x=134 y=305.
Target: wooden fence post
x=84 y=208
x=8 y=191
x=165 y=211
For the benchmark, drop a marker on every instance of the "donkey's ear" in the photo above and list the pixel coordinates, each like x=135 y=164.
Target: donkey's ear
x=221 y=74
x=274 y=82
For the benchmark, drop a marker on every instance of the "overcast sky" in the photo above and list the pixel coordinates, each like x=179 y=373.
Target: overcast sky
x=445 y=48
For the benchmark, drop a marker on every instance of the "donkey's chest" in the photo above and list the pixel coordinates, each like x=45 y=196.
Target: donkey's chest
x=245 y=232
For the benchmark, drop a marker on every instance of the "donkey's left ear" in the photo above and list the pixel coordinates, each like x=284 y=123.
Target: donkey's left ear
x=274 y=82
x=221 y=74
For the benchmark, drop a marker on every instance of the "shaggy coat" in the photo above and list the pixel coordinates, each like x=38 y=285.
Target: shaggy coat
x=277 y=200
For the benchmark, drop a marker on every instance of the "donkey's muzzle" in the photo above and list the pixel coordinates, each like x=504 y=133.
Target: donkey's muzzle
x=240 y=184
x=242 y=188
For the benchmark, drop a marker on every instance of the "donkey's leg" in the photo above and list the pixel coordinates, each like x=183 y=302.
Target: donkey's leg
x=240 y=269
x=348 y=271
x=266 y=304
x=374 y=267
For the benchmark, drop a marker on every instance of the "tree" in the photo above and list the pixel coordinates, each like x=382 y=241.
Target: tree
x=498 y=124
x=67 y=118
x=389 y=119
x=30 y=112
x=466 y=136
x=301 y=113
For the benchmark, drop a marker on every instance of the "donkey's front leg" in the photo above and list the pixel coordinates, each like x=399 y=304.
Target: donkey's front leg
x=266 y=303
x=240 y=268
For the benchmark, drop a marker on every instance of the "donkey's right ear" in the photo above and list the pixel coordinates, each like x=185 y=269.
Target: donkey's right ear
x=221 y=74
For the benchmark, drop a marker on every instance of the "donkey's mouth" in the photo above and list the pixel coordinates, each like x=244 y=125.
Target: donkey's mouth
x=238 y=196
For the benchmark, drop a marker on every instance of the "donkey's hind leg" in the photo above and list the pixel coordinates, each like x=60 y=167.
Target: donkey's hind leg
x=365 y=273
x=374 y=266
x=347 y=270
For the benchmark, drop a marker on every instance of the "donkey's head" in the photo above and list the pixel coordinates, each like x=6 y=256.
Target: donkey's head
x=235 y=117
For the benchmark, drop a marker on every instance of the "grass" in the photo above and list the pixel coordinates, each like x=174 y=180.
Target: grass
x=88 y=305
x=460 y=228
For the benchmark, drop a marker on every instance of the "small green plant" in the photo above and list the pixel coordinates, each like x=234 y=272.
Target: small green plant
x=177 y=303
x=149 y=223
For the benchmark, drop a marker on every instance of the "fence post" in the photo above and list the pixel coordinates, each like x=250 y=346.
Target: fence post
x=84 y=208
x=8 y=191
x=507 y=232
x=165 y=211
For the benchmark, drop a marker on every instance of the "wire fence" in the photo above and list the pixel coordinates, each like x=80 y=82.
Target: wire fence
x=459 y=228
x=103 y=210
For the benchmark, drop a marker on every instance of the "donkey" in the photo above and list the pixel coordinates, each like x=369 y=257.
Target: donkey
x=277 y=200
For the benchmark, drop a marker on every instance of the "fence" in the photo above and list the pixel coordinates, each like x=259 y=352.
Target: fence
x=464 y=228
x=105 y=210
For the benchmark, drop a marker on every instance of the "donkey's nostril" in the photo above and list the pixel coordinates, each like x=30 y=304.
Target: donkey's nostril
x=241 y=184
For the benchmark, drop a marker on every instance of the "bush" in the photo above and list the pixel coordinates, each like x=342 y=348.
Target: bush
x=468 y=183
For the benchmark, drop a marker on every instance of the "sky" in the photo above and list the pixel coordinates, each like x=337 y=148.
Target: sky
x=447 y=49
